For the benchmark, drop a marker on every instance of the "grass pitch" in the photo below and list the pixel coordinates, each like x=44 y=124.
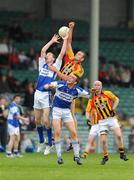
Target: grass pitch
x=39 y=167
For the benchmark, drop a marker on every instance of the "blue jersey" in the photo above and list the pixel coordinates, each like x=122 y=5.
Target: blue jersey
x=46 y=76
x=12 y=115
x=65 y=95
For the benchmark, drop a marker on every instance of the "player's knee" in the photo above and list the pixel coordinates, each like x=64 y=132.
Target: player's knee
x=57 y=134
x=73 y=134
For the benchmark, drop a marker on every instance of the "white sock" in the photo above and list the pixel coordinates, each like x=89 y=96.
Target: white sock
x=76 y=148
x=58 y=148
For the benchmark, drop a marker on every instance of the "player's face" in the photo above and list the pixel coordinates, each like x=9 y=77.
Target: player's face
x=97 y=86
x=71 y=79
x=50 y=57
x=18 y=99
x=80 y=56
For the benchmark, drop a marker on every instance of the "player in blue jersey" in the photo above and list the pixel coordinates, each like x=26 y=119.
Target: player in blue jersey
x=13 y=127
x=66 y=92
x=42 y=97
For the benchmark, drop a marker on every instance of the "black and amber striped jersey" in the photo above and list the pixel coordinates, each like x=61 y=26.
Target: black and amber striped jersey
x=70 y=66
x=103 y=104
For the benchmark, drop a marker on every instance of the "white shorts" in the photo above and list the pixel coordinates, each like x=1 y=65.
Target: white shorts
x=13 y=130
x=42 y=100
x=64 y=114
x=109 y=123
x=94 y=131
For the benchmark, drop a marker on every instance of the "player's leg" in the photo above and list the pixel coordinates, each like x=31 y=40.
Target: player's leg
x=119 y=141
x=10 y=146
x=91 y=139
x=75 y=143
x=57 y=137
x=94 y=131
x=104 y=143
x=16 y=146
x=11 y=132
x=73 y=112
x=38 y=117
x=119 y=138
x=46 y=122
x=103 y=129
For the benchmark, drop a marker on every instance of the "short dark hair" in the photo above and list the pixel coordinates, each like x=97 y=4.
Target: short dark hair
x=17 y=95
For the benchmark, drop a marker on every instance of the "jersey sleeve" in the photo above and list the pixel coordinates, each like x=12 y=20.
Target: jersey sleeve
x=58 y=63
x=82 y=92
x=69 y=56
x=42 y=61
x=111 y=95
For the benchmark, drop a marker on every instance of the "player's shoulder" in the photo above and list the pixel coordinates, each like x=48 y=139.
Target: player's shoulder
x=107 y=92
x=62 y=82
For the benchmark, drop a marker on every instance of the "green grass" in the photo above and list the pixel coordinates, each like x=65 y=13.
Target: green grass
x=40 y=167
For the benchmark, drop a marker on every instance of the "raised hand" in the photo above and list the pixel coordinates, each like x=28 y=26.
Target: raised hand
x=55 y=38
x=71 y=24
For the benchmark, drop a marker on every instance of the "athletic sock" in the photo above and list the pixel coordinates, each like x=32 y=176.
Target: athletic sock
x=121 y=150
x=40 y=133
x=58 y=148
x=49 y=135
x=76 y=148
x=15 y=151
x=105 y=154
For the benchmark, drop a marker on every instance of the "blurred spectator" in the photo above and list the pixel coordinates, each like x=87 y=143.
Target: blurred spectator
x=27 y=144
x=4 y=86
x=112 y=74
x=125 y=76
x=14 y=59
x=32 y=59
x=131 y=120
x=29 y=96
x=31 y=126
x=103 y=74
x=14 y=84
x=3 y=122
x=24 y=60
x=16 y=32
x=131 y=141
x=4 y=47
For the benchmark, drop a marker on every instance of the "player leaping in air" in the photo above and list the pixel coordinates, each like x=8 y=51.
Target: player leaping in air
x=66 y=91
x=72 y=63
x=42 y=97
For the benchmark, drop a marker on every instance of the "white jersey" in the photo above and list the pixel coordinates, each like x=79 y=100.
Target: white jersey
x=46 y=76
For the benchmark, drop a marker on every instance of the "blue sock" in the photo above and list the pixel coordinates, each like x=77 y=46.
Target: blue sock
x=49 y=135
x=40 y=133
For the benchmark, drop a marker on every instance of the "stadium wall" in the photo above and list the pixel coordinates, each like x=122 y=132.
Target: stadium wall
x=111 y=11
x=30 y=6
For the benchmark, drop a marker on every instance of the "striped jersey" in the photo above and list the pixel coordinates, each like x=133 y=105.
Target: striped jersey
x=70 y=66
x=65 y=95
x=14 y=111
x=100 y=106
x=46 y=76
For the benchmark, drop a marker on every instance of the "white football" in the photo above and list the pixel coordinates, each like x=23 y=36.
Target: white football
x=63 y=31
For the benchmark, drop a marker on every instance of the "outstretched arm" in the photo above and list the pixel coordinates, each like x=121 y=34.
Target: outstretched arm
x=59 y=74
x=54 y=39
x=52 y=85
x=64 y=47
x=70 y=34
